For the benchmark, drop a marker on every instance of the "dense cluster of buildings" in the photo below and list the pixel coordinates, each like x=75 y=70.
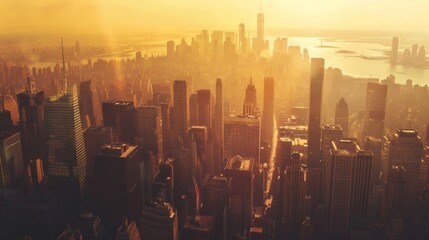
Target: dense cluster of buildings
x=136 y=157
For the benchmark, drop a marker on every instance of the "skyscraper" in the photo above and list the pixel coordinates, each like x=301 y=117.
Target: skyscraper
x=170 y=50
x=375 y=110
x=5 y=119
x=65 y=154
x=329 y=133
x=120 y=116
x=267 y=126
x=159 y=221
x=347 y=188
x=30 y=105
x=362 y=164
x=260 y=39
x=250 y=100
x=219 y=128
x=149 y=132
x=242 y=40
x=405 y=149
x=240 y=170
x=242 y=137
x=316 y=91
x=394 y=51
x=216 y=195
x=180 y=114
x=117 y=182
x=86 y=105
x=342 y=116
x=395 y=193
x=205 y=109
x=293 y=196
x=193 y=110
x=11 y=160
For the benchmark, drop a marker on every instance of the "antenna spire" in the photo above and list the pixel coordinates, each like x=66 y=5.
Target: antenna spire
x=64 y=66
x=260 y=6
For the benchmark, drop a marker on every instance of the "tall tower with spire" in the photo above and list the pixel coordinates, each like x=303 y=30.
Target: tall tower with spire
x=64 y=154
x=260 y=39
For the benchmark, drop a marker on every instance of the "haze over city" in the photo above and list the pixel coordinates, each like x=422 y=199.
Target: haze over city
x=214 y=120
x=135 y=16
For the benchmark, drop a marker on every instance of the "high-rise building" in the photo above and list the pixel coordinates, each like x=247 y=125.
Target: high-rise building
x=362 y=164
x=395 y=193
x=314 y=130
x=149 y=132
x=342 y=116
x=293 y=196
x=375 y=110
x=240 y=170
x=86 y=105
x=339 y=192
x=405 y=149
x=215 y=195
x=30 y=105
x=180 y=107
x=205 y=109
x=193 y=110
x=219 y=129
x=65 y=154
x=242 y=137
x=250 y=103
x=260 y=38
x=117 y=183
x=330 y=133
x=166 y=129
x=394 y=51
x=42 y=214
x=374 y=145
x=267 y=126
x=11 y=160
x=120 y=116
x=242 y=40
x=11 y=205
x=159 y=221
x=171 y=50
x=95 y=137
x=198 y=135
x=5 y=119
x=414 y=52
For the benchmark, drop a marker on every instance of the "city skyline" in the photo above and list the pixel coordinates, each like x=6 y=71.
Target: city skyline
x=105 y=18
x=222 y=135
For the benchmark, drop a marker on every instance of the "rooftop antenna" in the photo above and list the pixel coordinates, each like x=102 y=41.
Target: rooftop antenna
x=260 y=6
x=64 y=66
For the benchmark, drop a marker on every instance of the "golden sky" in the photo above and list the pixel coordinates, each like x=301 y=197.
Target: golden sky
x=130 y=16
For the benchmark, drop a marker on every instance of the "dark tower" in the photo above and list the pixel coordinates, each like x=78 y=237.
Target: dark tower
x=314 y=130
x=342 y=116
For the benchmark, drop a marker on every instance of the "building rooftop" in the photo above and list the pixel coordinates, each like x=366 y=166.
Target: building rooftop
x=5 y=134
x=200 y=223
x=117 y=149
x=349 y=144
x=331 y=127
x=240 y=163
x=409 y=133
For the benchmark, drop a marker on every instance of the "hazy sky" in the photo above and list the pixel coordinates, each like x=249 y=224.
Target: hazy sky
x=125 y=16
